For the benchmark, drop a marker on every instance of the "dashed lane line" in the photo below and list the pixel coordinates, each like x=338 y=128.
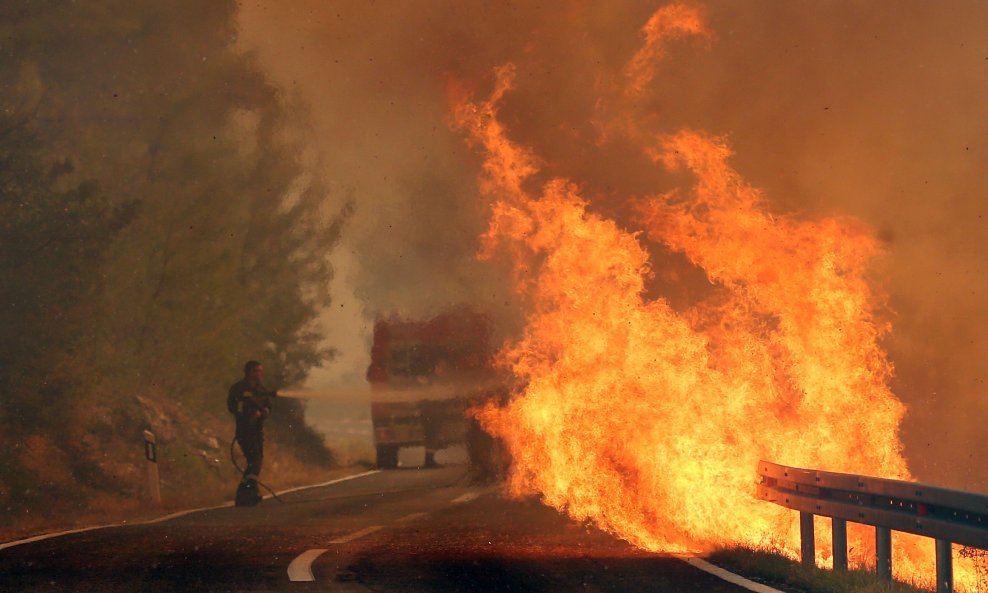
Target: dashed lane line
x=465 y=497
x=45 y=536
x=728 y=576
x=411 y=517
x=301 y=567
x=356 y=535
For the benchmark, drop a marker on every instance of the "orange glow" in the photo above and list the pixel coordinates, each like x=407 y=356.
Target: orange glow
x=650 y=421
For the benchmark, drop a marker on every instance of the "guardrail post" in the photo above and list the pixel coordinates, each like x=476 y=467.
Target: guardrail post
x=883 y=552
x=807 y=543
x=151 y=455
x=840 y=544
x=884 y=504
x=945 y=567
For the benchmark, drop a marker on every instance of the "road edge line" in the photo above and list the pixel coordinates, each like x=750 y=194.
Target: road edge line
x=267 y=496
x=336 y=481
x=44 y=536
x=726 y=575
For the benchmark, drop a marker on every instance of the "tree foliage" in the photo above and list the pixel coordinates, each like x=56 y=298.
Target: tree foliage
x=158 y=225
x=53 y=239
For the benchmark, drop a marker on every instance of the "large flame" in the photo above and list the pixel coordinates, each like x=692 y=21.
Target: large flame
x=650 y=421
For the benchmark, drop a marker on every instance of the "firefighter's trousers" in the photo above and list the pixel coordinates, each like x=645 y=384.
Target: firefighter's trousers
x=252 y=444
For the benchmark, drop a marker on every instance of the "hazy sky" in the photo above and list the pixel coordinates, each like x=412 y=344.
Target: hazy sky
x=874 y=110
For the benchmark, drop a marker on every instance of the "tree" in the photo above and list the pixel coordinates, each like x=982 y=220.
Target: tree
x=53 y=241
x=157 y=218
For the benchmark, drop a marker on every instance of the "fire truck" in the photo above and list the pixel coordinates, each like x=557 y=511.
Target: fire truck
x=423 y=377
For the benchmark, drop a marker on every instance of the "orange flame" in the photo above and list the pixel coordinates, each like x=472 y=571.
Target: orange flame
x=650 y=421
x=668 y=23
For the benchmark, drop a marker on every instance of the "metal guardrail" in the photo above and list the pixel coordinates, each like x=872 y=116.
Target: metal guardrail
x=948 y=516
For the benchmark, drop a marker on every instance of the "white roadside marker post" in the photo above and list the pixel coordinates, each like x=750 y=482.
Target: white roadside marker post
x=151 y=455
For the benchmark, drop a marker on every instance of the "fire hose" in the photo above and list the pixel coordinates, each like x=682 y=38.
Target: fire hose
x=233 y=460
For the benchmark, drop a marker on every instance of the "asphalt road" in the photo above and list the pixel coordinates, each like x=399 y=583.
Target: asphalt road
x=402 y=530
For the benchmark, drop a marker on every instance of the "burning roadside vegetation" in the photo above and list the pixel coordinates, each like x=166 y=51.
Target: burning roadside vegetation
x=649 y=420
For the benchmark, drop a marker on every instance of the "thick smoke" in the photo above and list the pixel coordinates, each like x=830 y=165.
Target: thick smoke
x=872 y=110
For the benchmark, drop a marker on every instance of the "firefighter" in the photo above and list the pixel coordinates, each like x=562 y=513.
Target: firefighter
x=250 y=402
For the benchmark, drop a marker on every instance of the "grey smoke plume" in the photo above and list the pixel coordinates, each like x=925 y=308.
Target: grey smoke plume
x=874 y=110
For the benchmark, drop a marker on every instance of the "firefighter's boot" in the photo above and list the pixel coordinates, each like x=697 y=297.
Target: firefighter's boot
x=248 y=493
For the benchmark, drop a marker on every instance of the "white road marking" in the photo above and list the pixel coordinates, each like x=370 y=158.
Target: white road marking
x=465 y=498
x=181 y=514
x=356 y=535
x=45 y=536
x=728 y=576
x=411 y=517
x=301 y=568
x=38 y=538
x=336 y=481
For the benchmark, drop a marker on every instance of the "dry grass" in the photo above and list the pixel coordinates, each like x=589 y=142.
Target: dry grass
x=774 y=569
x=100 y=478
x=54 y=494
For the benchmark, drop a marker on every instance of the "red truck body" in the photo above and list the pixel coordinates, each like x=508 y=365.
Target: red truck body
x=423 y=377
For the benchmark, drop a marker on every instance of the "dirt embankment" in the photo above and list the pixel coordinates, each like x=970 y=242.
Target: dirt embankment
x=100 y=476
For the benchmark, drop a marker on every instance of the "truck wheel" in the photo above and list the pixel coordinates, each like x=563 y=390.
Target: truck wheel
x=387 y=456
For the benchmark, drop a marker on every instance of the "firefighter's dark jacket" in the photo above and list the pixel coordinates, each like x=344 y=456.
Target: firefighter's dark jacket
x=251 y=404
